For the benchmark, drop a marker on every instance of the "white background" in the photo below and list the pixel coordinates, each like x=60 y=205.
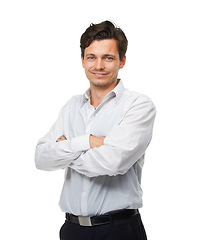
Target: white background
x=40 y=69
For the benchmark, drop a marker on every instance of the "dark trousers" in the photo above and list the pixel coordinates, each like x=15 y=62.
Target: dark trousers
x=128 y=229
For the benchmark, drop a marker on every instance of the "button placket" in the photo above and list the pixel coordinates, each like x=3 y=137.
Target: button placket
x=86 y=180
x=90 y=120
x=84 y=196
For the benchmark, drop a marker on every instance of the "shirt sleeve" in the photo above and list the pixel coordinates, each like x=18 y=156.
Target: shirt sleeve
x=123 y=146
x=52 y=155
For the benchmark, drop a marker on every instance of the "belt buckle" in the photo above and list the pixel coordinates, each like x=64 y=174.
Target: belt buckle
x=85 y=221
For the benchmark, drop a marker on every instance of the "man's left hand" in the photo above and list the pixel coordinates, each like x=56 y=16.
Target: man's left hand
x=96 y=141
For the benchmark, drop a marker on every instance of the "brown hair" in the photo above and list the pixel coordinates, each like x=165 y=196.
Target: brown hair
x=104 y=30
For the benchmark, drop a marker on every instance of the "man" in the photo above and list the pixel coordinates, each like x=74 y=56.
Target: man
x=100 y=138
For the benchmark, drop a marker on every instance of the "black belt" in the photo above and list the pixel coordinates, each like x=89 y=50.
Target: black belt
x=101 y=219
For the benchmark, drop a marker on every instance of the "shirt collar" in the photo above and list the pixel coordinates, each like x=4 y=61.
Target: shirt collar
x=117 y=92
x=85 y=96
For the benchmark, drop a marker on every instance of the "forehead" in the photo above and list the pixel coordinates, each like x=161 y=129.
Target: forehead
x=101 y=47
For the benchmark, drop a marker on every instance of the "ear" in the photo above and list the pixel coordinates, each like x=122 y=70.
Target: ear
x=122 y=62
x=82 y=59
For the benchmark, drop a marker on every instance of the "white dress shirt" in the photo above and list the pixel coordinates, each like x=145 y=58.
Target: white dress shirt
x=107 y=178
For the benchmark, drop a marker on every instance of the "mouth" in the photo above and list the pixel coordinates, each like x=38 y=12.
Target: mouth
x=99 y=74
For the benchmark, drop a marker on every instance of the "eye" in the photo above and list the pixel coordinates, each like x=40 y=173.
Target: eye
x=109 y=58
x=90 y=58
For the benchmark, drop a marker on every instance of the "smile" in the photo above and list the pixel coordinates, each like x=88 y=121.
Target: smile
x=99 y=74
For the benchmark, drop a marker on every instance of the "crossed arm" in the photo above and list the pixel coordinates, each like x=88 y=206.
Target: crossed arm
x=94 y=156
x=93 y=141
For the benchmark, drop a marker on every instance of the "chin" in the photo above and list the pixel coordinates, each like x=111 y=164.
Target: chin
x=99 y=83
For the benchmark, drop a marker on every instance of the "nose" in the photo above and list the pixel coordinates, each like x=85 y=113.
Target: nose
x=99 y=64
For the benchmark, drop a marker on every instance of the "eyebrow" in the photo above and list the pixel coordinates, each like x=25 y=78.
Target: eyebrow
x=90 y=54
x=109 y=55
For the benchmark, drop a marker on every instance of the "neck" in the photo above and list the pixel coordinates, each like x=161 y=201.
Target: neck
x=98 y=93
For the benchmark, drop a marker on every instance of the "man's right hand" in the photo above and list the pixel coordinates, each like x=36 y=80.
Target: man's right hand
x=96 y=141
x=61 y=139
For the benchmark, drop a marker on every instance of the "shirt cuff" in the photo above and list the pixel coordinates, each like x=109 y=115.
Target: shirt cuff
x=80 y=144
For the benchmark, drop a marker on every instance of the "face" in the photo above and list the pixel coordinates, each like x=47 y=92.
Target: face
x=101 y=63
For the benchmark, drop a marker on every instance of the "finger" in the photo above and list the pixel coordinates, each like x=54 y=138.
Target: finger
x=63 y=138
